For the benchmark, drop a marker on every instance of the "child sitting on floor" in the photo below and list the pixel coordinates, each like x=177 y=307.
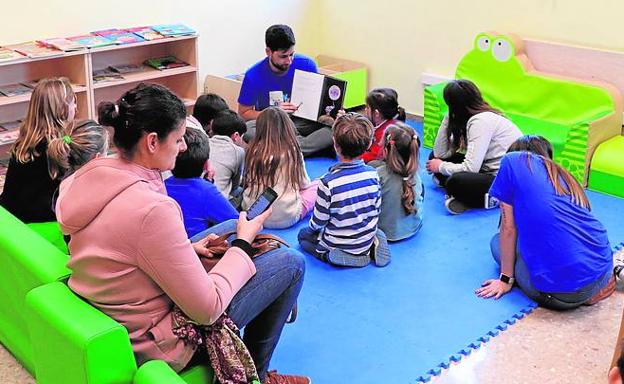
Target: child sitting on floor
x=274 y=159
x=205 y=109
x=343 y=229
x=201 y=203
x=382 y=109
x=226 y=152
x=402 y=191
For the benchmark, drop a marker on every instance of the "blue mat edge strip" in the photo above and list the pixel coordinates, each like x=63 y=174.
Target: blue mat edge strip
x=455 y=358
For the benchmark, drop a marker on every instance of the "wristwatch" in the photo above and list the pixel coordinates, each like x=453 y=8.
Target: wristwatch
x=506 y=279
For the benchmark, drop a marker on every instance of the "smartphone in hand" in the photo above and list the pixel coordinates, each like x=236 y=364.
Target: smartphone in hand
x=263 y=203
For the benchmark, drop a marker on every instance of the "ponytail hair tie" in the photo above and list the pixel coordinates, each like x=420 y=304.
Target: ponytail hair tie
x=406 y=179
x=391 y=142
x=67 y=139
x=117 y=109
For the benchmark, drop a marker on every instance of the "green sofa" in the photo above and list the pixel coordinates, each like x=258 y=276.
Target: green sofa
x=27 y=261
x=575 y=115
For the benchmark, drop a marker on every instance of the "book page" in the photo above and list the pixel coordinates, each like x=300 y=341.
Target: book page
x=306 y=92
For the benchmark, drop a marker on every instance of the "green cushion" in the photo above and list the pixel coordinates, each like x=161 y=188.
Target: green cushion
x=357 y=86
x=555 y=133
x=51 y=231
x=26 y=261
x=73 y=342
x=607 y=167
x=159 y=372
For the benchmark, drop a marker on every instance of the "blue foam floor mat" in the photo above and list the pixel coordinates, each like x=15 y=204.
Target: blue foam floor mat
x=405 y=322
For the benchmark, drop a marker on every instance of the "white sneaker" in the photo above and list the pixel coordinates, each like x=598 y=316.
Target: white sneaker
x=618 y=264
x=454 y=206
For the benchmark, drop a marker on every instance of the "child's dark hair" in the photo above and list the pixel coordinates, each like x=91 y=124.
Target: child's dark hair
x=279 y=37
x=80 y=143
x=353 y=134
x=227 y=122
x=190 y=163
x=386 y=101
x=401 y=154
x=144 y=109
x=207 y=106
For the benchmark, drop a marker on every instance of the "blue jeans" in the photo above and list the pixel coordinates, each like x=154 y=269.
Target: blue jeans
x=264 y=303
x=559 y=301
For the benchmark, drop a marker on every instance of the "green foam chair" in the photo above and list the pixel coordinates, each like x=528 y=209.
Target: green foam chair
x=27 y=261
x=51 y=231
x=75 y=343
x=574 y=114
x=607 y=168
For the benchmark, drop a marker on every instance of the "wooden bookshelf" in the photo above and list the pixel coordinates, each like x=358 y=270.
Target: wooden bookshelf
x=78 y=68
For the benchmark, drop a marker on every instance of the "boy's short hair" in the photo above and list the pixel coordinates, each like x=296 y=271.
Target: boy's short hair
x=190 y=163
x=227 y=122
x=207 y=106
x=353 y=134
x=279 y=37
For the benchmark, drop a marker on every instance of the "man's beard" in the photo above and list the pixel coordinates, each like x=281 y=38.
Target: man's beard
x=281 y=68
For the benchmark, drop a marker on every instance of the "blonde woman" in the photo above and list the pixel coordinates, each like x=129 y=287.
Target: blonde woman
x=274 y=159
x=31 y=178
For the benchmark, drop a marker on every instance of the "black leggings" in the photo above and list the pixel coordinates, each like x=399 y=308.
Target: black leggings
x=468 y=187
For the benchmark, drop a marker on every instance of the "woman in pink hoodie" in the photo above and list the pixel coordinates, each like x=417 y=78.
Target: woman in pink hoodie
x=131 y=258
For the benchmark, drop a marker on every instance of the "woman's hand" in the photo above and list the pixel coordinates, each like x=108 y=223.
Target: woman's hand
x=200 y=246
x=433 y=165
x=493 y=288
x=248 y=229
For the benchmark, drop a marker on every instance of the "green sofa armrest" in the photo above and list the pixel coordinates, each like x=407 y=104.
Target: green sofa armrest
x=27 y=261
x=435 y=109
x=159 y=372
x=75 y=343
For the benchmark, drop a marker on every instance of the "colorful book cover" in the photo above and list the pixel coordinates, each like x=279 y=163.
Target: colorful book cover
x=120 y=37
x=91 y=41
x=165 y=62
x=14 y=90
x=126 y=68
x=7 y=55
x=30 y=83
x=173 y=29
x=9 y=136
x=63 y=44
x=34 y=49
x=146 y=32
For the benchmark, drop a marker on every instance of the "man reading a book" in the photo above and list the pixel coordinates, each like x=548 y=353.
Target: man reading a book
x=269 y=83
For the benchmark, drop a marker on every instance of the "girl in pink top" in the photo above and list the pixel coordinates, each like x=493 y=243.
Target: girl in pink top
x=131 y=258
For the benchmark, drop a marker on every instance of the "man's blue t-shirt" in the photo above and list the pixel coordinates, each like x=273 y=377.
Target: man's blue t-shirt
x=563 y=245
x=259 y=80
x=202 y=204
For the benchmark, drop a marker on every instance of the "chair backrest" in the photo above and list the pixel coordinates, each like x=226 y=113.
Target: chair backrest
x=27 y=261
x=75 y=343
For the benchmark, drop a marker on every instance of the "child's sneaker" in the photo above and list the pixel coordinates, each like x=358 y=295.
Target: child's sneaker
x=454 y=206
x=618 y=264
x=436 y=181
x=380 y=251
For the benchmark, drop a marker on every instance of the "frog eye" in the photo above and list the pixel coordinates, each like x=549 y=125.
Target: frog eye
x=501 y=50
x=483 y=43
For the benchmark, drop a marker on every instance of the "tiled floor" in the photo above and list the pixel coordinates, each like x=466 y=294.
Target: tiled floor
x=544 y=348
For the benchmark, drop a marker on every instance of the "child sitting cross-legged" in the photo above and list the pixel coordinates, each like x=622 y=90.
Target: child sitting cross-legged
x=201 y=203
x=227 y=155
x=343 y=229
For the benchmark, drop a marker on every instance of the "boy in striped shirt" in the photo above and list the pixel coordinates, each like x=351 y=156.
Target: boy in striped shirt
x=343 y=229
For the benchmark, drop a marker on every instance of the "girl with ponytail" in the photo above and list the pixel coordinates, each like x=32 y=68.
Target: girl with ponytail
x=401 y=188
x=80 y=143
x=383 y=110
x=549 y=243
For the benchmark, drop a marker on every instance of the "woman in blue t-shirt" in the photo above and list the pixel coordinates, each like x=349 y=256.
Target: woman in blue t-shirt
x=549 y=242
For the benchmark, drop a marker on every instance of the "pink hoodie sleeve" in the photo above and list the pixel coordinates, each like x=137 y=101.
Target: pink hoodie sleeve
x=166 y=255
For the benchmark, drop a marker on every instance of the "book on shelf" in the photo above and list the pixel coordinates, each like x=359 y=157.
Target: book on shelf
x=91 y=41
x=34 y=49
x=173 y=30
x=104 y=75
x=316 y=95
x=11 y=125
x=146 y=33
x=126 y=68
x=7 y=137
x=10 y=90
x=119 y=36
x=165 y=62
x=63 y=44
x=7 y=55
x=30 y=83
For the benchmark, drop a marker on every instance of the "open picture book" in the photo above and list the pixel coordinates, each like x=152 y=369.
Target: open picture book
x=317 y=95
